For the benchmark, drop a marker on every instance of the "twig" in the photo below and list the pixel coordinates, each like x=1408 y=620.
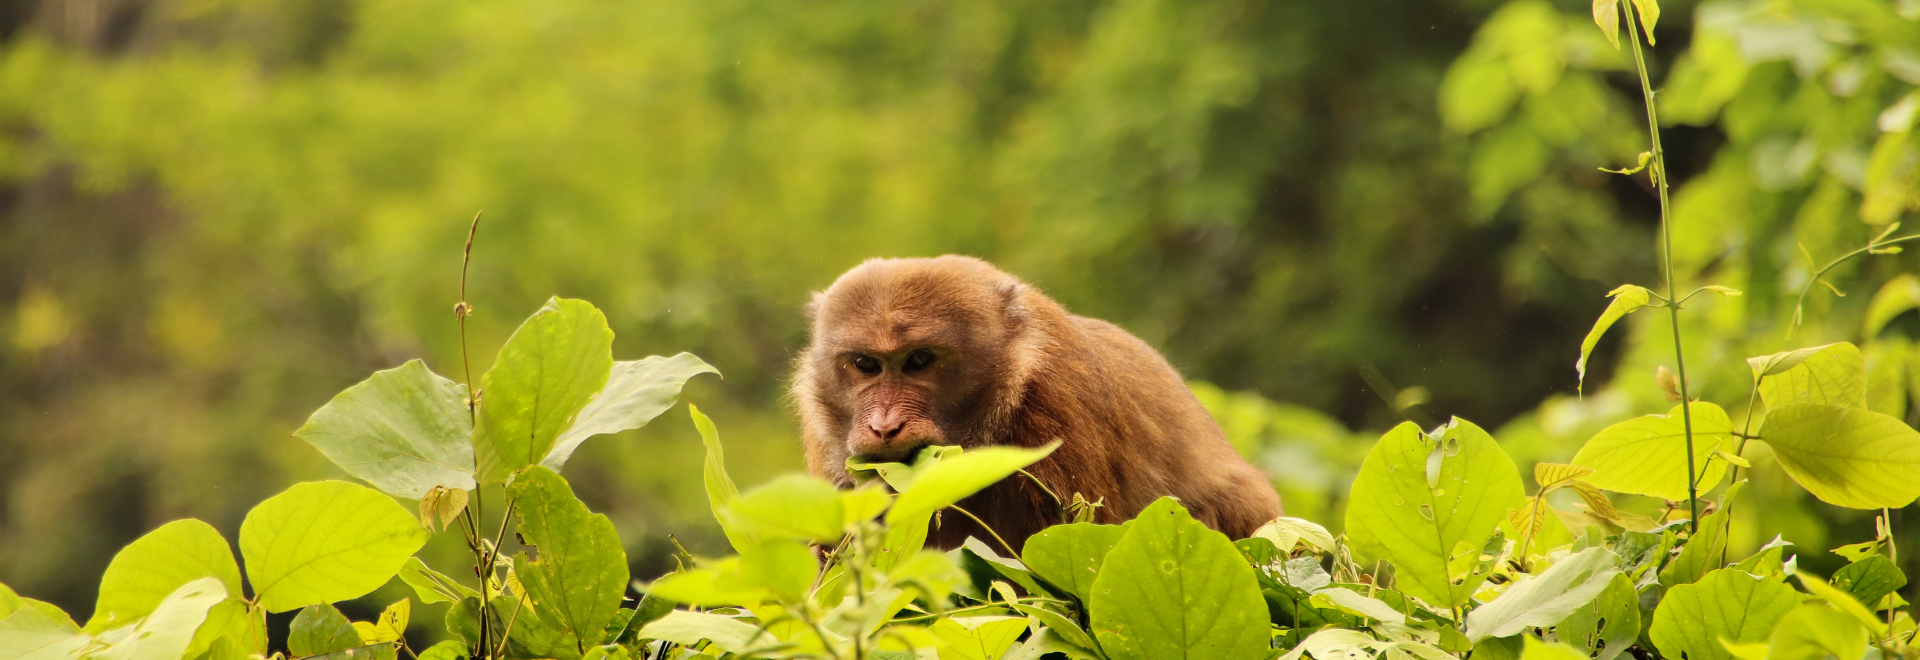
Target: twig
x=996 y=535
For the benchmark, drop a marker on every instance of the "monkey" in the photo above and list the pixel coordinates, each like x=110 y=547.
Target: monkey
x=907 y=353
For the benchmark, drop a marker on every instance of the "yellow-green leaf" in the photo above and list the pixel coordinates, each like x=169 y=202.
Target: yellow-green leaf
x=1648 y=455
x=1851 y=457
x=1626 y=300
x=1606 y=14
x=1833 y=374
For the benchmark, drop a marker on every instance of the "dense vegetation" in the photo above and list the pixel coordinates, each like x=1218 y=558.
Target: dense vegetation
x=1646 y=537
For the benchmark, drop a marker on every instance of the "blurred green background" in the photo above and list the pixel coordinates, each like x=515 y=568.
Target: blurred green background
x=215 y=214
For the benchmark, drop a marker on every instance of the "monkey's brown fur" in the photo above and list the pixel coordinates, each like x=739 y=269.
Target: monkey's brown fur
x=1010 y=366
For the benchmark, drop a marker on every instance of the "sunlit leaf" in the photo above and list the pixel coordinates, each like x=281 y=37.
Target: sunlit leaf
x=1898 y=296
x=155 y=565
x=1846 y=456
x=1835 y=374
x=1648 y=455
x=1547 y=598
x=1726 y=604
x=792 y=506
x=720 y=489
x=977 y=637
x=30 y=634
x=636 y=392
x=1842 y=601
x=432 y=587
x=1069 y=556
x=956 y=478
x=547 y=372
x=166 y=633
x=1398 y=516
x=1870 y=579
x=784 y=567
x=691 y=628
x=1813 y=632
x=441 y=506
x=404 y=430
x=324 y=542
x=1145 y=605
x=1649 y=15
x=581 y=573
x=1288 y=533
x=1626 y=300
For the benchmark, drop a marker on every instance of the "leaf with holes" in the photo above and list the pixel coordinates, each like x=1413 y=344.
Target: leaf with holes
x=1171 y=589
x=1418 y=497
x=582 y=571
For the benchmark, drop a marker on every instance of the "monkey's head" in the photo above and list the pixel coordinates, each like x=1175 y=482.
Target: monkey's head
x=907 y=353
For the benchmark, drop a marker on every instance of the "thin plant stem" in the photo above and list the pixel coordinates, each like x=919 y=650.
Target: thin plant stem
x=1659 y=174
x=996 y=535
x=462 y=311
x=1801 y=302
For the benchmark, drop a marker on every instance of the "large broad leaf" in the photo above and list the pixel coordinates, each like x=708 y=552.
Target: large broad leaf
x=720 y=489
x=690 y=628
x=404 y=430
x=319 y=630
x=1418 y=498
x=1813 y=632
x=1069 y=556
x=1846 y=456
x=1171 y=588
x=1648 y=455
x=165 y=634
x=153 y=566
x=1626 y=300
x=582 y=571
x=791 y=506
x=325 y=542
x=955 y=478
x=1610 y=623
x=1547 y=598
x=636 y=392
x=547 y=372
x=1834 y=374
x=30 y=634
x=1725 y=605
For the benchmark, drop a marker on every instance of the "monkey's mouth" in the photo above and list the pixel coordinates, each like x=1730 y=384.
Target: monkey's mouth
x=908 y=456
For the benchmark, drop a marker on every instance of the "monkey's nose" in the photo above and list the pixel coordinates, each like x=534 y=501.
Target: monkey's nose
x=887 y=425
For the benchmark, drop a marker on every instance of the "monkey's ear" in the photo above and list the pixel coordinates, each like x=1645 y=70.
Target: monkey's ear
x=1013 y=300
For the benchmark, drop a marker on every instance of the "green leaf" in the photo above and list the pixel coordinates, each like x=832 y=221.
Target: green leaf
x=325 y=542
x=1351 y=602
x=581 y=574
x=1534 y=648
x=30 y=634
x=1069 y=556
x=1171 y=588
x=320 y=629
x=1846 y=456
x=1287 y=533
x=545 y=375
x=1649 y=15
x=1546 y=599
x=720 y=489
x=1061 y=625
x=1419 y=497
x=1842 y=601
x=1834 y=374
x=535 y=634
x=1813 y=632
x=711 y=585
x=1626 y=300
x=1609 y=624
x=958 y=477
x=900 y=476
x=785 y=567
x=446 y=650
x=791 y=506
x=166 y=633
x=404 y=430
x=233 y=620
x=1870 y=579
x=153 y=566
x=431 y=586
x=1704 y=550
x=1898 y=296
x=1648 y=455
x=977 y=637
x=636 y=392
x=690 y=628
x=1725 y=605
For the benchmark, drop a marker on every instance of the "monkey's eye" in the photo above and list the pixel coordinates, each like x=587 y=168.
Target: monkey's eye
x=918 y=360
x=866 y=364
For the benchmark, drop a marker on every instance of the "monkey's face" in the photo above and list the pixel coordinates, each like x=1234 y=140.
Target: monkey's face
x=900 y=377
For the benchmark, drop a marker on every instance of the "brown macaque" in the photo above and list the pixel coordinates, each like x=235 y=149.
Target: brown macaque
x=908 y=353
